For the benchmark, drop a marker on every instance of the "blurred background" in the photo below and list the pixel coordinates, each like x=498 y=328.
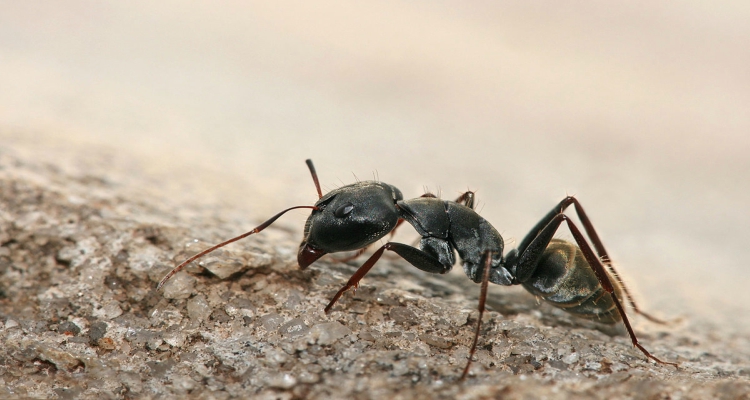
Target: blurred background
x=641 y=110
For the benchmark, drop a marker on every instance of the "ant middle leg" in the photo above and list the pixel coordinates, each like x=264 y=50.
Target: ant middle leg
x=482 y=301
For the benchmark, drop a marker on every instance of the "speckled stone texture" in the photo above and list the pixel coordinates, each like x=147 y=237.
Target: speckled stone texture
x=80 y=256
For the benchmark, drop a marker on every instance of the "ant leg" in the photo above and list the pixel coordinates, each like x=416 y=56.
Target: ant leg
x=482 y=300
x=222 y=244
x=527 y=262
x=414 y=256
x=604 y=257
x=467 y=199
x=601 y=274
x=595 y=240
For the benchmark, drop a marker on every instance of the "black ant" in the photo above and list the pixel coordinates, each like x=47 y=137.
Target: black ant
x=566 y=275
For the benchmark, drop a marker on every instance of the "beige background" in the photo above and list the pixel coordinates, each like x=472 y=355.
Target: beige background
x=641 y=110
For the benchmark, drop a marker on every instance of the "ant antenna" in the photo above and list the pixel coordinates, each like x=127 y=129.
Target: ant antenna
x=222 y=244
x=314 y=176
x=246 y=234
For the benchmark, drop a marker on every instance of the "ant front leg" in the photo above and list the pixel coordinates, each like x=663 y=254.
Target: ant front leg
x=416 y=257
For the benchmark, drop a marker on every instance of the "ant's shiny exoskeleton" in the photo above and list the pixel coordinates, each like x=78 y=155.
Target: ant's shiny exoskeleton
x=569 y=276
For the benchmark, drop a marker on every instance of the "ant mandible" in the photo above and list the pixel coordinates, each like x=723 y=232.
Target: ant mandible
x=566 y=275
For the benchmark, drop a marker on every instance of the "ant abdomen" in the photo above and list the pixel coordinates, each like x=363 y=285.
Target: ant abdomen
x=565 y=280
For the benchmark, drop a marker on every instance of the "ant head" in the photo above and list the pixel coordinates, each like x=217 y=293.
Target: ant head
x=349 y=218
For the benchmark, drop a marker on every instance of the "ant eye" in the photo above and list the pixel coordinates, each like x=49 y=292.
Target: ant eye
x=343 y=210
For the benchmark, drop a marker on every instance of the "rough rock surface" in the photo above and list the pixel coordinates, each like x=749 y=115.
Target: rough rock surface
x=80 y=316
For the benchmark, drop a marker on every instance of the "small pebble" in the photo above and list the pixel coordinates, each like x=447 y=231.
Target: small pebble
x=68 y=328
x=308 y=377
x=436 y=341
x=593 y=366
x=97 y=330
x=295 y=327
x=459 y=318
x=175 y=339
x=271 y=321
x=402 y=315
x=571 y=358
x=281 y=381
x=240 y=307
x=181 y=286
x=198 y=308
x=293 y=300
x=223 y=267
x=328 y=333
x=106 y=343
x=154 y=343
x=111 y=310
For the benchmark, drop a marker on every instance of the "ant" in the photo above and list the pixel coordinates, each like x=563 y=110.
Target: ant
x=567 y=275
